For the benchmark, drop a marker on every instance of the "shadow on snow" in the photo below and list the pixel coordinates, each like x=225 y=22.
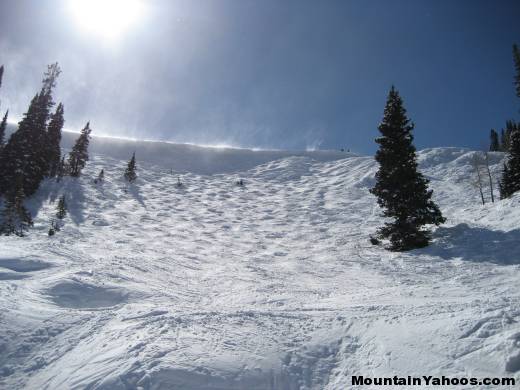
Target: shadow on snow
x=476 y=244
x=51 y=191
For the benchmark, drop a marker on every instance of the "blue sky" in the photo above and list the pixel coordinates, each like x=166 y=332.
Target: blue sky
x=270 y=73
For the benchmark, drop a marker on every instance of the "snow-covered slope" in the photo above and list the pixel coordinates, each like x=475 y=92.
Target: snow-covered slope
x=273 y=285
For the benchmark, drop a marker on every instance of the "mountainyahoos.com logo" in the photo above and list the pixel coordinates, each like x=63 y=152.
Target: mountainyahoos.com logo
x=425 y=380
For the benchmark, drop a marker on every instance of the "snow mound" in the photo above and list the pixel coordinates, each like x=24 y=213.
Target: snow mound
x=79 y=295
x=11 y=276
x=23 y=265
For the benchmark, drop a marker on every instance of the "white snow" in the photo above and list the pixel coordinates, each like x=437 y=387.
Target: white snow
x=272 y=285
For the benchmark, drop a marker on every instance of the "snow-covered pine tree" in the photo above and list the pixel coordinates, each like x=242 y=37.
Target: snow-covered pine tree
x=516 y=59
x=494 y=145
x=17 y=152
x=15 y=219
x=78 y=157
x=100 y=177
x=505 y=142
x=55 y=227
x=504 y=185
x=23 y=154
x=53 y=140
x=510 y=181
x=52 y=229
x=130 y=174
x=61 y=209
x=401 y=190
x=40 y=162
x=3 y=124
x=3 y=127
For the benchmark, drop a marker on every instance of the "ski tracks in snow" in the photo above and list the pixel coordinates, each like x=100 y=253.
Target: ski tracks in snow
x=270 y=285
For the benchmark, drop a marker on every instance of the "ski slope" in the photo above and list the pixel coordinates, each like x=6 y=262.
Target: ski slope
x=272 y=285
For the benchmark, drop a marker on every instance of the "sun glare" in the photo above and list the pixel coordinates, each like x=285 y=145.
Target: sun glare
x=106 y=18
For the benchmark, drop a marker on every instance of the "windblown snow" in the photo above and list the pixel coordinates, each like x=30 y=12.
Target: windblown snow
x=270 y=285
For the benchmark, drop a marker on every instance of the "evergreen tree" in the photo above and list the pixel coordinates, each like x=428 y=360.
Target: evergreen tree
x=15 y=217
x=52 y=229
x=3 y=127
x=54 y=139
x=78 y=157
x=25 y=152
x=130 y=174
x=494 y=145
x=61 y=210
x=505 y=142
x=17 y=152
x=100 y=177
x=516 y=59
x=510 y=181
x=401 y=190
x=40 y=144
x=504 y=185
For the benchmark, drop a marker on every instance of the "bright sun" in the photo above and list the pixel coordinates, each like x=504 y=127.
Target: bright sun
x=106 y=18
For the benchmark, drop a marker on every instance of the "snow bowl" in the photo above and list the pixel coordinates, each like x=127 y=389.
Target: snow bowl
x=12 y=276
x=79 y=295
x=23 y=265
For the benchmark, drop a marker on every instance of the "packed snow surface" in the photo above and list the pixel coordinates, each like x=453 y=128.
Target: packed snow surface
x=270 y=285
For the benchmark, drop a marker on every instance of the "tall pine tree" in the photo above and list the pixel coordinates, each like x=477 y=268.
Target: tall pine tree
x=78 y=157
x=494 y=145
x=130 y=174
x=15 y=219
x=1 y=75
x=401 y=190
x=61 y=209
x=41 y=163
x=53 y=140
x=3 y=127
x=505 y=138
x=516 y=59
x=510 y=181
x=25 y=152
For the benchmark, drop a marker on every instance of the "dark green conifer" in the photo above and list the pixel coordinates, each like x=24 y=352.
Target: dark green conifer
x=494 y=145
x=3 y=127
x=401 y=190
x=15 y=219
x=61 y=210
x=78 y=157
x=53 y=140
x=130 y=174
x=516 y=59
x=510 y=181
x=25 y=153
x=101 y=177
